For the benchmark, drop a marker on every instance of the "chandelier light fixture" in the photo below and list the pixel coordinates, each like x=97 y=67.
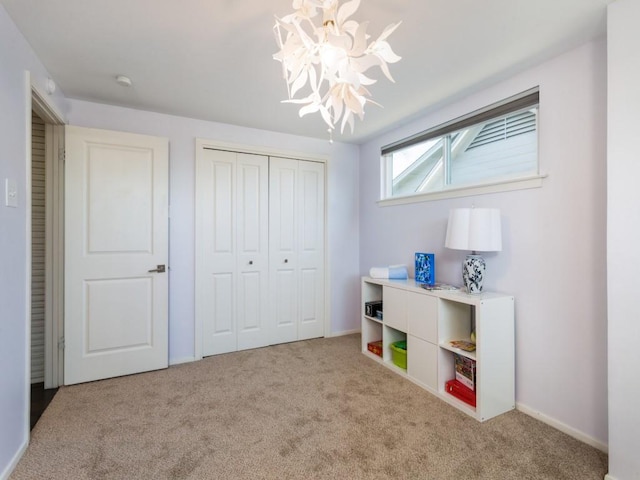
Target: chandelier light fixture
x=332 y=58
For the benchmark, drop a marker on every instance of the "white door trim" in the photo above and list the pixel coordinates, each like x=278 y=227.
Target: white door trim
x=54 y=304
x=267 y=151
x=202 y=143
x=45 y=110
x=54 y=261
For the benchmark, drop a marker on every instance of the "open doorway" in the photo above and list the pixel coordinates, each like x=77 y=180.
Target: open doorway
x=47 y=341
x=40 y=397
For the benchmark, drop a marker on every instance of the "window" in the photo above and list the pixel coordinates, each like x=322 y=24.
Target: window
x=494 y=145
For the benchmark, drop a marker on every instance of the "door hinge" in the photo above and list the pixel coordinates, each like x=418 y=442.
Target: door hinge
x=61 y=343
x=62 y=156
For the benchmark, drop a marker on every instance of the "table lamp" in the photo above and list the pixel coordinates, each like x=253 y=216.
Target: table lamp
x=475 y=229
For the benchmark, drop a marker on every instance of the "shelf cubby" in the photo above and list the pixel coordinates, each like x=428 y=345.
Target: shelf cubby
x=391 y=335
x=428 y=320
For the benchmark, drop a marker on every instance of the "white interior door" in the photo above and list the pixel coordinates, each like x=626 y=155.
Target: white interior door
x=116 y=234
x=232 y=250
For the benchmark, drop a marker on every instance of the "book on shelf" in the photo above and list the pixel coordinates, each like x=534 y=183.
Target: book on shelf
x=439 y=286
x=425 y=268
x=465 y=369
x=372 y=308
x=463 y=345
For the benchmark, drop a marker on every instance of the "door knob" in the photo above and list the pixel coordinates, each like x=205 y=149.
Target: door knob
x=250 y=262
x=286 y=260
x=160 y=269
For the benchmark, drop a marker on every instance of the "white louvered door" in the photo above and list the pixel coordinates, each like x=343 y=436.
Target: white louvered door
x=38 y=249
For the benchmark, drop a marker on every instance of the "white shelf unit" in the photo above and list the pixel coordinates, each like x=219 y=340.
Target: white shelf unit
x=428 y=320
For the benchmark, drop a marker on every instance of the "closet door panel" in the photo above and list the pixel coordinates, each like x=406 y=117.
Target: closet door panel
x=216 y=266
x=252 y=217
x=310 y=197
x=251 y=324
x=284 y=208
x=222 y=175
x=283 y=245
x=260 y=233
x=219 y=330
x=284 y=306
x=311 y=321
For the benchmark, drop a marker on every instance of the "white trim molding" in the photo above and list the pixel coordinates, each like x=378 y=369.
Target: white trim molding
x=180 y=361
x=267 y=151
x=344 y=332
x=45 y=109
x=522 y=183
x=563 y=427
x=54 y=163
x=14 y=461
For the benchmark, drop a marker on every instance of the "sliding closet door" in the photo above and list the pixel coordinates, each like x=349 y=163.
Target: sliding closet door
x=232 y=250
x=296 y=249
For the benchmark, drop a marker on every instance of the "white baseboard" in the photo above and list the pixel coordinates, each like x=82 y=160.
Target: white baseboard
x=14 y=461
x=345 y=332
x=564 y=428
x=609 y=477
x=178 y=361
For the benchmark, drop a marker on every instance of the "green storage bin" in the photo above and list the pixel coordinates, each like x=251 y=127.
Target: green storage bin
x=399 y=354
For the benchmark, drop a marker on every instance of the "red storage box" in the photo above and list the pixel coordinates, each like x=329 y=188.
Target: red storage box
x=375 y=347
x=461 y=392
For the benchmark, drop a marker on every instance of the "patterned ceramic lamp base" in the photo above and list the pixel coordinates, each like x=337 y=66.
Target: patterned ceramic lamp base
x=473 y=269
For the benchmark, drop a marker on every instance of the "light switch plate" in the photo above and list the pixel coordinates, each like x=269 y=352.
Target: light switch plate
x=10 y=192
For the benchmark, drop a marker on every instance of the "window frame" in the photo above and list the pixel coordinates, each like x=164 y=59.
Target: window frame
x=527 y=99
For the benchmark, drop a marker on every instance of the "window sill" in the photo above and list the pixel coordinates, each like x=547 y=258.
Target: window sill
x=522 y=183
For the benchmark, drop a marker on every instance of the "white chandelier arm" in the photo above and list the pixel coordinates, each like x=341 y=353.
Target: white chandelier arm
x=347 y=10
x=331 y=58
x=388 y=30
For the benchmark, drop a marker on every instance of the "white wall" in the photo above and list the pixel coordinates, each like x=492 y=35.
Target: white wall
x=16 y=58
x=342 y=206
x=553 y=257
x=623 y=238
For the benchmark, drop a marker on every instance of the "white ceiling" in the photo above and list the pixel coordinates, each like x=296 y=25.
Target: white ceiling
x=212 y=59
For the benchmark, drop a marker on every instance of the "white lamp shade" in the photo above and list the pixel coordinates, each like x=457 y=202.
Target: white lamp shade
x=475 y=229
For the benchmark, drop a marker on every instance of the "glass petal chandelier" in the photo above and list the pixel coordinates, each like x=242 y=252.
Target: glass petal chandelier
x=332 y=58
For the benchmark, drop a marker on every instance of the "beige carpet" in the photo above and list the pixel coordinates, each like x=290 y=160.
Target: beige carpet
x=317 y=409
